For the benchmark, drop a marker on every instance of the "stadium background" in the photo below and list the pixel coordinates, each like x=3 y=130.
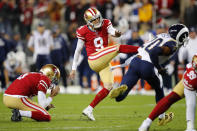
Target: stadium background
x=18 y=18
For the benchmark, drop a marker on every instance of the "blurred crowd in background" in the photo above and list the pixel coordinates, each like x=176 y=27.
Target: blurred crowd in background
x=21 y=21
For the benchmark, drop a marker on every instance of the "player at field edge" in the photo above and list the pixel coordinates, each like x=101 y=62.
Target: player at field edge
x=18 y=95
x=94 y=35
x=186 y=87
x=148 y=61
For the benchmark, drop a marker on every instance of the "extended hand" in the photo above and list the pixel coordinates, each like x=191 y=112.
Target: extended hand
x=117 y=33
x=49 y=107
x=72 y=74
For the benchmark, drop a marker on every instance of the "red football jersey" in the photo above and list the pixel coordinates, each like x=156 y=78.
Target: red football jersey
x=29 y=84
x=190 y=78
x=94 y=40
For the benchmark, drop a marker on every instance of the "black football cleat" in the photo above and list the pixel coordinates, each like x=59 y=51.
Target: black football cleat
x=16 y=115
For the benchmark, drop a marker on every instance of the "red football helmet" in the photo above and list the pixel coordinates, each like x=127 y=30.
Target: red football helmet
x=91 y=15
x=194 y=62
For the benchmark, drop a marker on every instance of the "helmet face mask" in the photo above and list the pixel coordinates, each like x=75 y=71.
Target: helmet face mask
x=93 y=18
x=52 y=72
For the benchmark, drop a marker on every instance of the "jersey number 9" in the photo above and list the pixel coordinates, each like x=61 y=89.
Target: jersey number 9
x=98 y=43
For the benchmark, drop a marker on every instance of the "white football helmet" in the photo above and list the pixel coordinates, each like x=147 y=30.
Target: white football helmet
x=92 y=14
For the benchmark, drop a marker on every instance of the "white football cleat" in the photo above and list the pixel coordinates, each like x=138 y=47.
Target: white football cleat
x=89 y=113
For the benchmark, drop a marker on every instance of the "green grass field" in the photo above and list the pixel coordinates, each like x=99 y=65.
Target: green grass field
x=110 y=115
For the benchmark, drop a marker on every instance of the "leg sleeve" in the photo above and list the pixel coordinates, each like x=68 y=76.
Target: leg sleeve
x=190 y=98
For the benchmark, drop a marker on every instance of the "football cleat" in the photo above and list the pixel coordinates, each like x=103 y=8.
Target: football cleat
x=16 y=115
x=87 y=112
x=167 y=118
x=117 y=91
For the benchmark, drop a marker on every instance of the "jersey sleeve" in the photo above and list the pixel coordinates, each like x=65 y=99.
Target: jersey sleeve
x=44 y=84
x=80 y=33
x=172 y=45
x=110 y=29
x=108 y=23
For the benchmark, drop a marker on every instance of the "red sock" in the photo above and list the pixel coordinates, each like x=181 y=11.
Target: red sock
x=128 y=49
x=164 y=104
x=99 y=97
x=39 y=116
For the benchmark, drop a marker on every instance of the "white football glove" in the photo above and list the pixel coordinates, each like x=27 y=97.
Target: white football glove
x=170 y=69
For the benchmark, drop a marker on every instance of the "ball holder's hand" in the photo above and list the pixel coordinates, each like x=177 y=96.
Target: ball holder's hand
x=49 y=107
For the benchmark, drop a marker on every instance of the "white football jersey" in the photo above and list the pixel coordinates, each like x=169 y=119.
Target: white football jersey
x=158 y=41
x=11 y=66
x=41 y=42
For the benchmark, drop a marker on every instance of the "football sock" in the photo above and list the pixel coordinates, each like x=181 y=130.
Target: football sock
x=99 y=97
x=190 y=125
x=25 y=113
x=39 y=116
x=90 y=108
x=164 y=104
x=148 y=121
x=190 y=98
x=128 y=49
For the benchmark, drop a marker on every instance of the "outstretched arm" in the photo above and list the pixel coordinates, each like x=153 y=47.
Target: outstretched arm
x=78 y=50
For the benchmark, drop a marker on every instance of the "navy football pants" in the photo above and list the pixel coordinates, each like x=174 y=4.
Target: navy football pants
x=145 y=70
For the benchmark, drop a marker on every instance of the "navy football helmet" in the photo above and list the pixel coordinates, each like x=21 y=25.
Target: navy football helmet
x=180 y=33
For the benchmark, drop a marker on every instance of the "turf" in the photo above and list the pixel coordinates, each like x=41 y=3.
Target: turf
x=110 y=115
